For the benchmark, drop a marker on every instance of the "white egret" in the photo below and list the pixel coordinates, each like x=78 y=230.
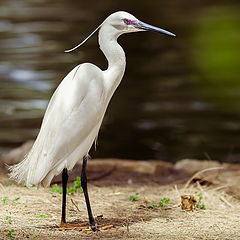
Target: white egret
x=76 y=110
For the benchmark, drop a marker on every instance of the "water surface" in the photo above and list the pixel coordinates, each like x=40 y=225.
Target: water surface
x=179 y=97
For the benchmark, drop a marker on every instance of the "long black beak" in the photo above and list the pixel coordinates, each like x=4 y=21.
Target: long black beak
x=148 y=27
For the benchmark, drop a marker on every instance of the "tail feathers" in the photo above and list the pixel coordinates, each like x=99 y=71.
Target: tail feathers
x=33 y=172
x=19 y=172
x=25 y=171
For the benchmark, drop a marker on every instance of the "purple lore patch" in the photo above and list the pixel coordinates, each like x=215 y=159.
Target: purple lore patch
x=129 y=22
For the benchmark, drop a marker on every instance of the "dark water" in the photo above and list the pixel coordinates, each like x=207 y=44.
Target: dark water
x=179 y=98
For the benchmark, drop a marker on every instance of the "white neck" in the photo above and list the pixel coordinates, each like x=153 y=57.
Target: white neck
x=115 y=56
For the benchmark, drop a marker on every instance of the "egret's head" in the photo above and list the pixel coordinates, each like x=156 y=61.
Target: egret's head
x=121 y=21
x=125 y=22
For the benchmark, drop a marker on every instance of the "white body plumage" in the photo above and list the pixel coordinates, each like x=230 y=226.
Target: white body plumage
x=77 y=107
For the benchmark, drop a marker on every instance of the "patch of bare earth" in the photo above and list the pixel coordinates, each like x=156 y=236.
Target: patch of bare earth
x=36 y=214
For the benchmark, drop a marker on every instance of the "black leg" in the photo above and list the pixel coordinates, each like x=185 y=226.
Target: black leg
x=85 y=191
x=64 y=192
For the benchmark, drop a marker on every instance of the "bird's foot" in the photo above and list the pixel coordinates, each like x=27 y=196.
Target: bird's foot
x=64 y=225
x=84 y=227
x=96 y=228
x=105 y=227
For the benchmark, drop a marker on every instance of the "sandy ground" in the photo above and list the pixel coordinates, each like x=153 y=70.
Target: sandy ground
x=36 y=214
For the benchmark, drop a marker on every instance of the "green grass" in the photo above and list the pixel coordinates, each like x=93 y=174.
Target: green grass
x=152 y=205
x=5 y=199
x=9 y=219
x=29 y=236
x=77 y=187
x=9 y=183
x=11 y=234
x=16 y=199
x=71 y=190
x=127 y=225
x=162 y=203
x=41 y=216
x=134 y=198
x=56 y=189
x=199 y=203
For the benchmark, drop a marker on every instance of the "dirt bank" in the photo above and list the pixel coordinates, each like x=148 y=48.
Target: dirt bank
x=35 y=213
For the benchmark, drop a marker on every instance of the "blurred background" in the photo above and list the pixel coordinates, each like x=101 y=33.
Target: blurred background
x=179 y=98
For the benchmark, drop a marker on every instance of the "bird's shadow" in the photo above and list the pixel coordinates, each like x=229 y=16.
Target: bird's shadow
x=101 y=221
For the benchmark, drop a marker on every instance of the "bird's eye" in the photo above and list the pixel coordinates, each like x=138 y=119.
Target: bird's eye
x=126 y=21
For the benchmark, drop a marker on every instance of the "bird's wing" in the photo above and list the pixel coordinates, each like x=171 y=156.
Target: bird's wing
x=74 y=110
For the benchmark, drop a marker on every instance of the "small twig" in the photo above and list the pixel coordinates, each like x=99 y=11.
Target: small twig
x=127 y=224
x=176 y=189
x=3 y=188
x=199 y=186
x=201 y=189
x=220 y=187
x=199 y=172
x=75 y=205
x=225 y=201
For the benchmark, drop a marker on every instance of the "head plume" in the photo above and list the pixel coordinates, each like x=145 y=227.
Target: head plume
x=80 y=44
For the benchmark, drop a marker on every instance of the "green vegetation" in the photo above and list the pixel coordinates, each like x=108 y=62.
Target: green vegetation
x=77 y=188
x=11 y=234
x=56 y=189
x=9 y=219
x=4 y=199
x=162 y=203
x=30 y=236
x=199 y=203
x=41 y=216
x=127 y=225
x=152 y=205
x=134 y=198
x=9 y=183
x=16 y=199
